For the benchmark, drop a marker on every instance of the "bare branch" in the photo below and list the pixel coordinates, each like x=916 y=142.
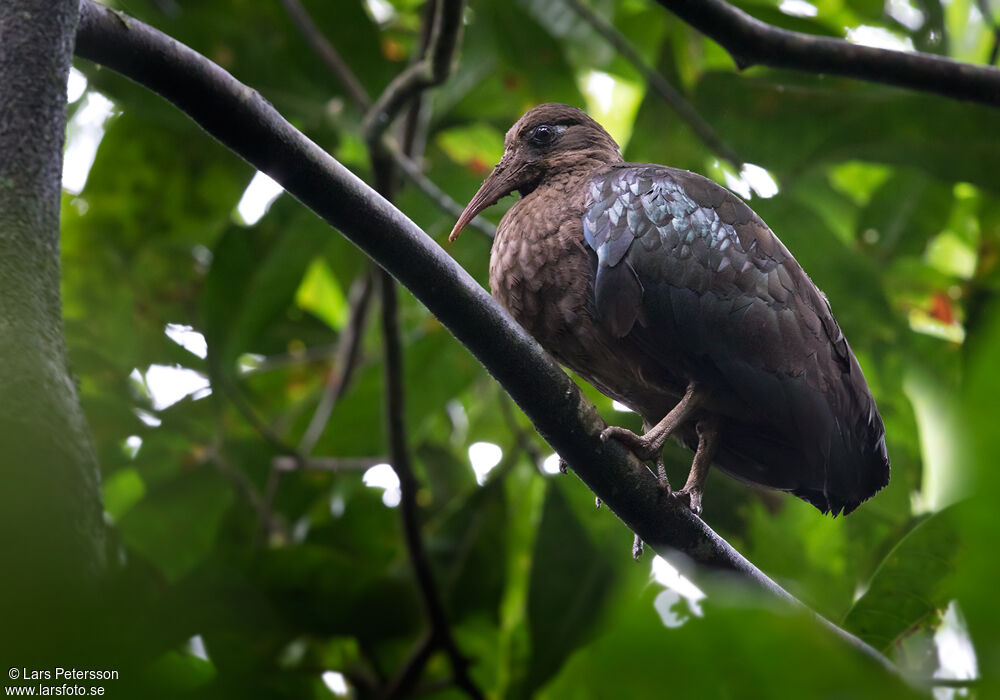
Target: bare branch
x=245 y=409
x=441 y=635
x=326 y=51
x=411 y=669
x=431 y=190
x=268 y=524
x=326 y=464
x=349 y=80
x=751 y=42
x=347 y=360
x=429 y=71
x=660 y=85
x=954 y=682
x=570 y=424
x=522 y=439
x=410 y=94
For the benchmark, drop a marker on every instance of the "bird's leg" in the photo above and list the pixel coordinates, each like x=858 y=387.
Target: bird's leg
x=708 y=434
x=651 y=444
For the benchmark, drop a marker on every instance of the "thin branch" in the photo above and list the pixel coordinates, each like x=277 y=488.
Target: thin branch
x=954 y=682
x=570 y=424
x=294 y=358
x=987 y=13
x=410 y=94
x=411 y=669
x=430 y=188
x=430 y=70
x=269 y=525
x=245 y=409
x=326 y=51
x=441 y=635
x=750 y=42
x=346 y=361
x=326 y=464
x=414 y=127
x=659 y=84
x=522 y=439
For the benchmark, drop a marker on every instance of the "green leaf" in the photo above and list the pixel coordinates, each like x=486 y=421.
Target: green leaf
x=478 y=146
x=175 y=525
x=468 y=548
x=913 y=583
x=122 y=490
x=570 y=584
x=738 y=650
x=253 y=279
x=761 y=117
x=320 y=293
x=906 y=212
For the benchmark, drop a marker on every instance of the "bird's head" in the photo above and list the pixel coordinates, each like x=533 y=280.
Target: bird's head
x=547 y=140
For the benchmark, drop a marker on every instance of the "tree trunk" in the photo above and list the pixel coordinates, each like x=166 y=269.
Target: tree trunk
x=51 y=529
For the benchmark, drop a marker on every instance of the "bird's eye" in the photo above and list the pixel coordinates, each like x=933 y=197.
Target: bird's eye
x=544 y=134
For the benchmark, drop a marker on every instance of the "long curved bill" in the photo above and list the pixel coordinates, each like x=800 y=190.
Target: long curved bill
x=500 y=183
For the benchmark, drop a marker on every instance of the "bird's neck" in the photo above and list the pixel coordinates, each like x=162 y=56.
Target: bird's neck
x=539 y=268
x=561 y=191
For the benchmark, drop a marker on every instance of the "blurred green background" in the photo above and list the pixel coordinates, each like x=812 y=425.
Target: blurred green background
x=247 y=580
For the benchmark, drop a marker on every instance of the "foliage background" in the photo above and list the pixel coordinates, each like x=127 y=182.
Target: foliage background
x=888 y=198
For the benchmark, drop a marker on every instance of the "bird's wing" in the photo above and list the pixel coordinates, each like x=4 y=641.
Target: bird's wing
x=683 y=263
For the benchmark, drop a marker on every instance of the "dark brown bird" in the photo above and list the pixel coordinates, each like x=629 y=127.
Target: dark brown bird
x=668 y=293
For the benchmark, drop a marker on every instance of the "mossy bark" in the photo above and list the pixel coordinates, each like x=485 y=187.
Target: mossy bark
x=51 y=527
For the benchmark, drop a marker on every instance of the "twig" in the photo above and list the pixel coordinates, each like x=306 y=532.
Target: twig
x=953 y=682
x=245 y=409
x=315 y=353
x=660 y=85
x=269 y=525
x=750 y=41
x=430 y=188
x=217 y=101
x=399 y=453
x=326 y=464
x=414 y=129
x=430 y=70
x=987 y=13
x=326 y=51
x=396 y=97
x=347 y=359
x=411 y=669
x=521 y=437
x=307 y=27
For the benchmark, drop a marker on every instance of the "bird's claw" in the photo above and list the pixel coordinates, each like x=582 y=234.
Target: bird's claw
x=638 y=444
x=690 y=498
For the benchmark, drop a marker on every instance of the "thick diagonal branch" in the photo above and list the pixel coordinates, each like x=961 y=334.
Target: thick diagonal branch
x=250 y=126
x=750 y=42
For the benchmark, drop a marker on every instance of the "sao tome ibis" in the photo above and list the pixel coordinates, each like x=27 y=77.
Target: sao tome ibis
x=669 y=294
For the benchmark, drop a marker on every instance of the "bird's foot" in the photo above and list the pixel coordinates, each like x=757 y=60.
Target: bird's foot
x=661 y=475
x=643 y=448
x=690 y=498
